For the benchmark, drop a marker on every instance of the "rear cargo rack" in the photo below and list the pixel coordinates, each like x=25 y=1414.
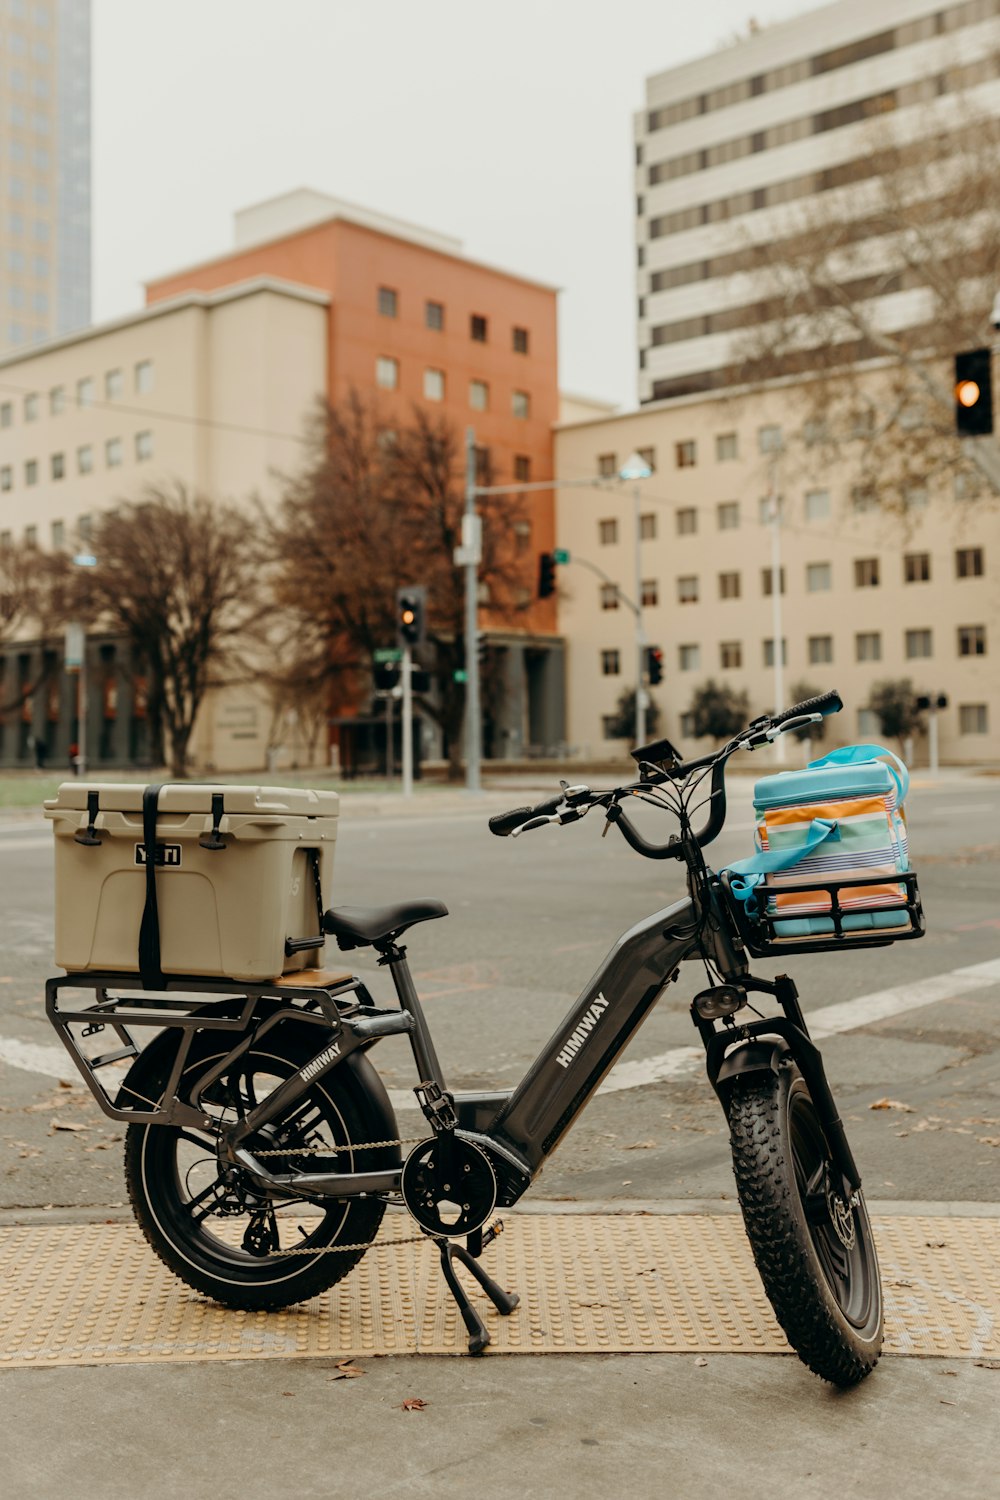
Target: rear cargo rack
x=118 y=1003
x=758 y=928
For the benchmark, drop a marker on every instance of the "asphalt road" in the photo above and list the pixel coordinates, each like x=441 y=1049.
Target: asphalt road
x=530 y=921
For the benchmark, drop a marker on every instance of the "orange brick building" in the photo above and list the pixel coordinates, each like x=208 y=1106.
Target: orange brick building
x=414 y=320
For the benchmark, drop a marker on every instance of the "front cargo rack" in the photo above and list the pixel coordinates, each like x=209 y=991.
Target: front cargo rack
x=118 y=1003
x=757 y=928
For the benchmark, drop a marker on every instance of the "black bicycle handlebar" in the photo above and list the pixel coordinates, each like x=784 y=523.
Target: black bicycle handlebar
x=823 y=703
x=506 y=822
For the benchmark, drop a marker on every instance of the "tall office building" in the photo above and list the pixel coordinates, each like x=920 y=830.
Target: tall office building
x=731 y=148
x=45 y=174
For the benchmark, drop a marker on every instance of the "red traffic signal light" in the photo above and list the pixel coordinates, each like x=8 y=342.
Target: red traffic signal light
x=654 y=665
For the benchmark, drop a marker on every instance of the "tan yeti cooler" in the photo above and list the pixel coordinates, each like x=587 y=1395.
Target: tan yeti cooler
x=235 y=876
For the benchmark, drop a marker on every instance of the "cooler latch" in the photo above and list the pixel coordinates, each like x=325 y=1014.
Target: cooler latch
x=214 y=839
x=88 y=835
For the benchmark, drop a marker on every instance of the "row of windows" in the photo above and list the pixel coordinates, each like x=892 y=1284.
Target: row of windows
x=17 y=262
x=938 y=23
x=86 y=393
x=82 y=531
x=970 y=640
x=387 y=379
x=434 y=317
x=114 y=457
x=973 y=718
x=818 y=575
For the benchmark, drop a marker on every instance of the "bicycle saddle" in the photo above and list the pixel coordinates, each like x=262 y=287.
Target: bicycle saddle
x=358 y=926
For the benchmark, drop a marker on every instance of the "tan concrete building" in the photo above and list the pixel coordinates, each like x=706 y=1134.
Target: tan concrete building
x=868 y=595
x=207 y=388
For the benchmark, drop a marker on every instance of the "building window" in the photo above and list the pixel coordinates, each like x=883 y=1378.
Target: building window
x=57 y=464
x=609 y=596
x=522 y=468
x=730 y=655
x=84 y=528
x=650 y=593
x=918 y=643
x=388 y=302
x=767 y=581
x=520 y=404
x=113 y=453
x=973 y=718
x=478 y=328
x=817 y=505
x=434 y=315
x=917 y=567
x=687 y=589
x=647 y=527
x=607 y=532
x=689 y=658
x=85 y=460
x=972 y=640
x=607 y=465
x=866 y=572
x=729 y=585
x=85 y=392
x=868 y=723
x=728 y=515
x=484 y=466
x=818 y=577
x=31 y=471
x=6 y=414
x=31 y=536
x=820 y=650
x=114 y=385
x=726 y=447
x=769 y=439
x=868 y=646
x=143 y=446
x=863 y=500
x=648 y=456
x=610 y=663
x=915 y=497
x=479 y=395
x=686 y=454
x=386 y=372
x=969 y=562
x=31 y=408
x=769 y=652
x=58 y=535
x=6 y=477
x=57 y=400
x=144 y=377
x=687 y=521
x=768 y=505
x=434 y=385
x=609 y=726
x=520 y=340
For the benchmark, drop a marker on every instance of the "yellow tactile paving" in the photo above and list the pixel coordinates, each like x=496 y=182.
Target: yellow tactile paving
x=95 y=1295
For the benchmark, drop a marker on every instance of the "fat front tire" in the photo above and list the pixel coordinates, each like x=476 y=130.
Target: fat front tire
x=815 y=1252
x=220 y=1237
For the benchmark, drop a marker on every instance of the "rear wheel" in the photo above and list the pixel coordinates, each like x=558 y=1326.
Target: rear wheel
x=208 y=1223
x=812 y=1243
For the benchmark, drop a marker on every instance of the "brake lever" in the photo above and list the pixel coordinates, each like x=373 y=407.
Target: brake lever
x=568 y=815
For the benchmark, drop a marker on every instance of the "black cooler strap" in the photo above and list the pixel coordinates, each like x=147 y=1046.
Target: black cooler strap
x=149 y=931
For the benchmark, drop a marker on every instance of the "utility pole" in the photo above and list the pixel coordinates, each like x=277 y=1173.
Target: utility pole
x=468 y=556
x=636 y=468
x=407 y=721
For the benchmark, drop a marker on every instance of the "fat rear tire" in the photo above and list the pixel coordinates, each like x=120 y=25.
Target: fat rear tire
x=208 y=1256
x=826 y=1294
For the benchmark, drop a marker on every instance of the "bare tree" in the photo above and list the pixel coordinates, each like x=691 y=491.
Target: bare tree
x=33 y=599
x=374 y=510
x=869 y=292
x=177 y=574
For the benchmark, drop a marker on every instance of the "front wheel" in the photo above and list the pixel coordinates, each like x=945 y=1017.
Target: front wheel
x=813 y=1247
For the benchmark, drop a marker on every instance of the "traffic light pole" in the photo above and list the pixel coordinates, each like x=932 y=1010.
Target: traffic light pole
x=640 y=633
x=407 y=664
x=473 y=723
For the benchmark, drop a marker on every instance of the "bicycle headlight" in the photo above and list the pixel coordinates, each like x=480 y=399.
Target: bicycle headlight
x=721 y=1000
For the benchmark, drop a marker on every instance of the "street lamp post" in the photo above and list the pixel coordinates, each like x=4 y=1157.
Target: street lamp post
x=636 y=468
x=83 y=560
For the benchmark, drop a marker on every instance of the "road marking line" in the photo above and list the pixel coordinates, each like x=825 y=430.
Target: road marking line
x=830 y=1020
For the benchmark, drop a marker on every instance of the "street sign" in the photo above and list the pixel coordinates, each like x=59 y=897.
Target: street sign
x=383 y=654
x=73 y=649
x=561 y=555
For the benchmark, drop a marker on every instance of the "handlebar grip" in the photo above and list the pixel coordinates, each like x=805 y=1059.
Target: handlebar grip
x=824 y=703
x=504 y=823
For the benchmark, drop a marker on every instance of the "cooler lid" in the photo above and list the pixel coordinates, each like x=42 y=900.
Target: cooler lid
x=870 y=778
x=191 y=797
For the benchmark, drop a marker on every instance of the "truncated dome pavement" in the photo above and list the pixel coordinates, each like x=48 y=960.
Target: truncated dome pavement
x=94 y=1294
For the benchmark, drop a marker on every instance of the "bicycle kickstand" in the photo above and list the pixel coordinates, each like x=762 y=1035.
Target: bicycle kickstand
x=504 y=1302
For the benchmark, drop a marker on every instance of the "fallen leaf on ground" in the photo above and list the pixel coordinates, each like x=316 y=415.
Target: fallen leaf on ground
x=68 y=1125
x=907 y=1109
x=936 y=1244
x=701 y=1363
x=987 y=1364
x=344 y=1370
x=988 y=1140
x=413 y=1403
x=641 y=1146
x=64 y=1083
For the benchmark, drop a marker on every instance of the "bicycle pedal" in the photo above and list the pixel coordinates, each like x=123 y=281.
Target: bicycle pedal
x=493 y=1233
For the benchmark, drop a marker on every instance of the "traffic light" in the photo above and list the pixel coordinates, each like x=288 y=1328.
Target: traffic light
x=386 y=676
x=546 y=575
x=410 y=604
x=931 y=700
x=654 y=665
x=973 y=393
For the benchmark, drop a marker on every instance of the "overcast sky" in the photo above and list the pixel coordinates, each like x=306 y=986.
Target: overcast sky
x=508 y=124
